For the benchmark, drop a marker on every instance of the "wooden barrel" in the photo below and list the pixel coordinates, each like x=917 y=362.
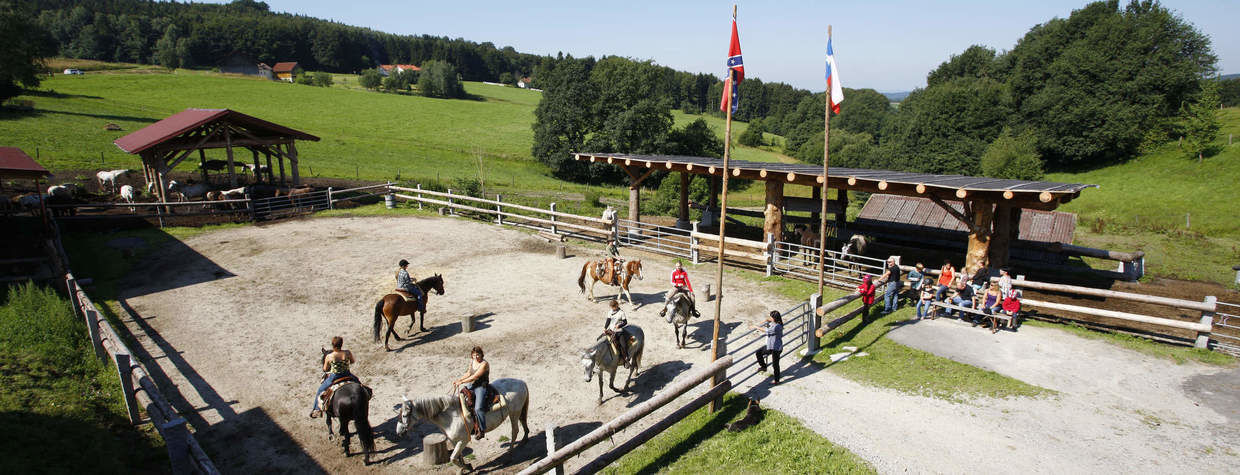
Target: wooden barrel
x=435 y=449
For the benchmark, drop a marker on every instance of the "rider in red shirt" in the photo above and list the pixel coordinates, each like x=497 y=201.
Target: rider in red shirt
x=680 y=284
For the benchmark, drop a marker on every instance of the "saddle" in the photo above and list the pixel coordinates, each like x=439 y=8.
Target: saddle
x=327 y=395
x=610 y=274
x=408 y=296
x=466 y=398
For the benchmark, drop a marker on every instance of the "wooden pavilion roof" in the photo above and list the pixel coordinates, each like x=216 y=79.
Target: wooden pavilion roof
x=172 y=132
x=15 y=164
x=1024 y=193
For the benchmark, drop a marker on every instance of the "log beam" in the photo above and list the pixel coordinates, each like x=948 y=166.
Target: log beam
x=682 y=220
x=774 y=213
x=1007 y=229
x=978 y=255
x=292 y=160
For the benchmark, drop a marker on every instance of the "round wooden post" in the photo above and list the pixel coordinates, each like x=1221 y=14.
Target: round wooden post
x=467 y=323
x=978 y=255
x=435 y=449
x=499 y=218
x=682 y=220
x=774 y=213
x=553 y=220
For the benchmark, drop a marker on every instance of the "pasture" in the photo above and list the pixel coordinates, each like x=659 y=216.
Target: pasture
x=236 y=318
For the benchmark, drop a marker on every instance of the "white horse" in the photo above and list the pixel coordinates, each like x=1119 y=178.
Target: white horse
x=445 y=413
x=128 y=193
x=601 y=358
x=190 y=191
x=107 y=178
x=679 y=311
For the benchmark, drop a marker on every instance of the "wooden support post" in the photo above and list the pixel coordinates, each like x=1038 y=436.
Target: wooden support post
x=812 y=345
x=451 y=203
x=232 y=170
x=774 y=213
x=553 y=218
x=499 y=218
x=558 y=469
x=635 y=211
x=682 y=219
x=816 y=195
x=329 y=198
x=249 y=203
x=202 y=165
x=176 y=439
x=163 y=189
x=770 y=254
x=92 y=327
x=280 y=158
x=978 y=255
x=841 y=217
x=124 y=368
x=295 y=162
x=419 y=186
x=1001 y=242
x=435 y=449
x=467 y=323
x=257 y=177
x=270 y=173
x=1207 y=318
x=694 y=254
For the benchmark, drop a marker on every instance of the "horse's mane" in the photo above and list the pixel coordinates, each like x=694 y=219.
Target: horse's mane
x=429 y=406
x=430 y=281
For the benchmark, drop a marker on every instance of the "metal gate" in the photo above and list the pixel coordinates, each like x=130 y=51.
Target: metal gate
x=1226 y=332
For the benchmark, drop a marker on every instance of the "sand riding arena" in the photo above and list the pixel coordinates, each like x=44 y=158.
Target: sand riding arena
x=234 y=319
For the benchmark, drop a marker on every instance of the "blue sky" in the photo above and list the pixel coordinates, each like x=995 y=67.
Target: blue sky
x=885 y=45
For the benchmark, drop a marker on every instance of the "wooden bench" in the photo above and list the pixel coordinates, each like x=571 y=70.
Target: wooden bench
x=994 y=317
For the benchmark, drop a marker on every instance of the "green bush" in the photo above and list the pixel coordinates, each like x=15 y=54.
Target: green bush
x=371 y=79
x=593 y=199
x=752 y=136
x=468 y=186
x=322 y=79
x=439 y=79
x=1013 y=157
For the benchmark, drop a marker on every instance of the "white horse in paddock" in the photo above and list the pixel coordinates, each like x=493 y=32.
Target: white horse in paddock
x=189 y=191
x=446 y=413
x=128 y=193
x=107 y=178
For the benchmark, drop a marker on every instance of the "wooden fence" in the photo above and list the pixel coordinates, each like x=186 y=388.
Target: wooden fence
x=139 y=389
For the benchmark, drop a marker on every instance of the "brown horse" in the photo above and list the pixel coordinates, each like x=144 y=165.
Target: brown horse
x=631 y=268
x=392 y=306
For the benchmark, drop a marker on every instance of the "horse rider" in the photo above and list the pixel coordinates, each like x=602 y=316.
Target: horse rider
x=611 y=260
x=680 y=285
x=477 y=379
x=405 y=283
x=613 y=328
x=336 y=365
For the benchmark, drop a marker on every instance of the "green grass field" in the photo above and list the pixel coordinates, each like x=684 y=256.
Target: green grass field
x=61 y=409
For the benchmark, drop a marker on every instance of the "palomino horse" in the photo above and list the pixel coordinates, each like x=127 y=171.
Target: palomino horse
x=392 y=306
x=631 y=269
x=445 y=413
x=351 y=402
x=601 y=358
x=679 y=310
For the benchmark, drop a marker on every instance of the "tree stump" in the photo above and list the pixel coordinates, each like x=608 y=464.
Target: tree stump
x=467 y=323
x=435 y=449
x=559 y=252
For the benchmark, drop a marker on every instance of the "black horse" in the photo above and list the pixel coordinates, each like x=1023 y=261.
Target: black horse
x=351 y=402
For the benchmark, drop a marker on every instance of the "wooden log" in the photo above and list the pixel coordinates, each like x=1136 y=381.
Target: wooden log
x=1098 y=253
x=882 y=185
x=598 y=464
x=467 y=323
x=550 y=432
x=921 y=188
x=978 y=255
x=559 y=252
x=792 y=176
x=1045 y=197
x=773 y=219
x=962 y=193
x=435 y=450
x=1167 y=322
x=605 y=431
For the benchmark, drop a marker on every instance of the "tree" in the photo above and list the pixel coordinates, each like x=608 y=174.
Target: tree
x=507 y=78
x=695 y=139
x=1093 y=84
x=23 y=45
x=323 y=79
x=752 y=136
x=974 y=62
x=848 y=149
x=945 y=128
x=564 y=117
x=1014 y=157
x=439 y=79
x=166 y=48
x=371 y=79
x=1229 y=92
x=1201 y=122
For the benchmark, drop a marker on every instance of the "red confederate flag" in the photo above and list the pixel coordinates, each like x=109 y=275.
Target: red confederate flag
x=735 y=73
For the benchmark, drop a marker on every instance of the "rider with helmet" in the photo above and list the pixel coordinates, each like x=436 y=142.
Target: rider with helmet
x=336 y=365
x=611 y=260
x=613 y=328
x=405 y=283
x=680 y=285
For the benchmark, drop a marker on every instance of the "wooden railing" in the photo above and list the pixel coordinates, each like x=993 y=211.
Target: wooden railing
x=139 y=389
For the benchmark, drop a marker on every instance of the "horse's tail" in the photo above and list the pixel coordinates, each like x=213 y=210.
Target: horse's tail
x=361 y=422
x=378 y=319
x=525 y=411
x=581 y=280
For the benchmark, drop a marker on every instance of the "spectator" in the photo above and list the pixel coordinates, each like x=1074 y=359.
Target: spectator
x=981 y=278
x=773 y=328
x=1005 y=282
x=946 y=275
x=924 y=306
x=1011 y=305
x=991 y=302
x=891 y=294
x=964 y=295
x=866 y=289
x=915 y=277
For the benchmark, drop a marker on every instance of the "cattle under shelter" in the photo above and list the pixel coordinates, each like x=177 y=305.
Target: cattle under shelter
x=165 y=144
x=989 y=208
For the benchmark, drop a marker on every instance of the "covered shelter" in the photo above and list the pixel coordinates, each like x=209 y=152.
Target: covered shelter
x=990 y=208
x=16 y=165
x=165 y=144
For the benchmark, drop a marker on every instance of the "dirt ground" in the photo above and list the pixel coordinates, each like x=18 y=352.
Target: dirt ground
x=234 y=319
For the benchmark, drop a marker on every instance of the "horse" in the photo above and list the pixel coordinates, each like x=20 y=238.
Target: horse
x=392 y=306
x=128 y=193
x=679 y=310
x=445 y=413
x=107 y=178
x=631 y=268
x=602 y=358
x=857 y=244
x=351 y=402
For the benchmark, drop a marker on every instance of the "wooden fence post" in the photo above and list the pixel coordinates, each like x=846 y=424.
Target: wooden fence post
x=693 y=243
x=1207 y=318
x=558 y=469
x=176 y=438
x=124 y=368
x=329 y=198
x=770 y=254
x=419 y=187
x=249 y=203
x=451 y=203
x=71 y=288
x=499 y=218
x=812 y=345
x=552 y=208
x=92 y=326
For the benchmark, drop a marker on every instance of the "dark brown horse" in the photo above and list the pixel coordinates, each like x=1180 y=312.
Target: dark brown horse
x=632 y=269
x=392 y=306
x=351 y=402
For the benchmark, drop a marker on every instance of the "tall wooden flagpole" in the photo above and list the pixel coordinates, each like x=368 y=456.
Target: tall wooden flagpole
x=826 y=155
x=723 y=223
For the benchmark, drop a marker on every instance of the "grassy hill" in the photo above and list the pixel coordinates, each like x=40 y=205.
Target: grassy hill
x=1181 y=212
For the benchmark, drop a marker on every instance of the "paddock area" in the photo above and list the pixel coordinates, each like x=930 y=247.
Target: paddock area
x=232 y=321
x=235 y=319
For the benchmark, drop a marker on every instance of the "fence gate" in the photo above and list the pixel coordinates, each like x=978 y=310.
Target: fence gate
x=654 y=238
x=1226 y=333
x=283 y=206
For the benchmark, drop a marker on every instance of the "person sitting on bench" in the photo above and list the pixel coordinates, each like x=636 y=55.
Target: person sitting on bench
x=964 y=295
